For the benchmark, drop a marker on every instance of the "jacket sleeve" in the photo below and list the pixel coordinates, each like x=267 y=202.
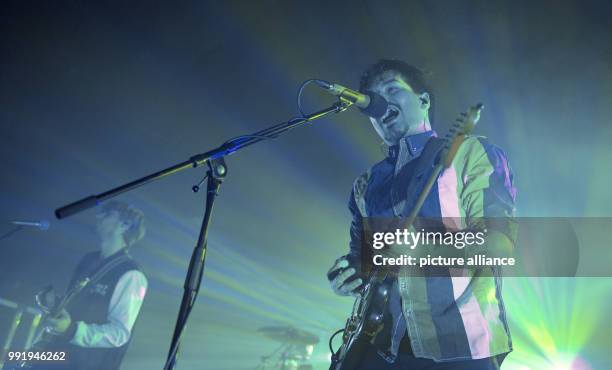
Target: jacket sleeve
x=488 y=196
x=123 y=310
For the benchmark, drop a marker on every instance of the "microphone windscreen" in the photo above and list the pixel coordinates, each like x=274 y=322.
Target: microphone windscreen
x=377 y=107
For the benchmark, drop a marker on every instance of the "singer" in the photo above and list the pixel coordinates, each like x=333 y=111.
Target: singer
x=432 y=322
x=95 y=328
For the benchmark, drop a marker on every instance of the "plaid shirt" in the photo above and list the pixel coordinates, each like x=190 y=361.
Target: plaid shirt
x=446 y=318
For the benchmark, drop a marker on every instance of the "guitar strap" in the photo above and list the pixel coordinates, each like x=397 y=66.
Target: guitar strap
x=93 y=278
x=426 y=161
x=104 y=269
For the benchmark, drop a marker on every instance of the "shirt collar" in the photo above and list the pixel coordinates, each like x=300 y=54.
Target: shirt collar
x=415 y=144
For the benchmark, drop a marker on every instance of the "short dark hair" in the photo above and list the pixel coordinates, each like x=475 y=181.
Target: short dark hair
x=130 y=215
x=415 y=77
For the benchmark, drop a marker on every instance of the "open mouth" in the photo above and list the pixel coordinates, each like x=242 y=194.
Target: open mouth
x=391 y=114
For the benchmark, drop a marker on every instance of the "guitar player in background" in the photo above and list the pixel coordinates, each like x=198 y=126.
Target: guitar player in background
x=441 y=322
x=95 y=328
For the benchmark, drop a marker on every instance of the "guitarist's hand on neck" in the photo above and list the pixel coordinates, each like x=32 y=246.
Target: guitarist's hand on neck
x=59 y=324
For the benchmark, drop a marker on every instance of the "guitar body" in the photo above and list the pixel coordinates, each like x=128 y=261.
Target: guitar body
x=45 y=341
x=365 y=322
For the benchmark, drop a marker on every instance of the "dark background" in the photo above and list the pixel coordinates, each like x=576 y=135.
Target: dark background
x=94 y=94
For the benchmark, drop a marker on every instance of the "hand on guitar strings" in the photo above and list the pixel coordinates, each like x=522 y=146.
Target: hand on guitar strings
x=60 y=323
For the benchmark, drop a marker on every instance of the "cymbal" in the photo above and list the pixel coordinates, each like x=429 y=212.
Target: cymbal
x=288 y=334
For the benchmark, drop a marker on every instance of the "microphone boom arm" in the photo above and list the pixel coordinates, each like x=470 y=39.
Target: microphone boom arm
x=227 y=148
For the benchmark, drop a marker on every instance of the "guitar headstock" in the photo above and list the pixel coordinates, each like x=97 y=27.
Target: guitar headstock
x=464 y=124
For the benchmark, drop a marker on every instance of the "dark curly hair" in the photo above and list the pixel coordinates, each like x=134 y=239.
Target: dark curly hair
x=416 y=78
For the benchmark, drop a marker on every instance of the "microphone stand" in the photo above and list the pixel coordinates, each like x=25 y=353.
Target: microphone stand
x=217 y=170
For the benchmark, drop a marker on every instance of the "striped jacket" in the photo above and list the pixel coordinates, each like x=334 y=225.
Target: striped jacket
x=446 y=318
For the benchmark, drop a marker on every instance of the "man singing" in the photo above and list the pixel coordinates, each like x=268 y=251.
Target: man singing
x=449 y=322
x=96 y=327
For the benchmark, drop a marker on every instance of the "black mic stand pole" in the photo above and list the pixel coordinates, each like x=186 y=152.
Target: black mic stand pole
x=216 y=173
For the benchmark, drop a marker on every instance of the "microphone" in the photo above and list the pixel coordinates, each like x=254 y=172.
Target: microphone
x=42 y=225
x=370 y=103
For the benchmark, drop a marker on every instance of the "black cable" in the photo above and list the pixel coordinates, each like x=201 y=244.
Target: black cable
x=237 y=138
x=173 y=354
x=264 y=135
x=322 y=83
x=332 y=338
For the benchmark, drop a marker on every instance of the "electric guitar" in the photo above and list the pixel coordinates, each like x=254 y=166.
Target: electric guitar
x=367 y=317
x=44 y=338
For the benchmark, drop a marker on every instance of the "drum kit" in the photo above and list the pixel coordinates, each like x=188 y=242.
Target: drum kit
x=295 y=348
